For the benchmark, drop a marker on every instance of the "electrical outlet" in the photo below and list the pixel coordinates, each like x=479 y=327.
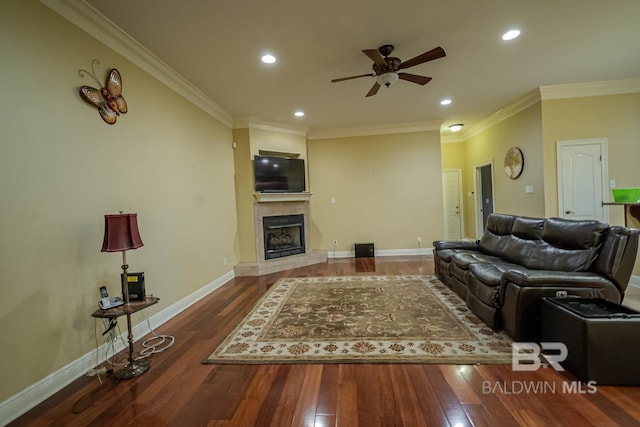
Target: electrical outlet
x=225 y=260
x=335 y=243
x=419 y=239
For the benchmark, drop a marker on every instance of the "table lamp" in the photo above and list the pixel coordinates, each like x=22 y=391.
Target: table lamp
x=120 y=235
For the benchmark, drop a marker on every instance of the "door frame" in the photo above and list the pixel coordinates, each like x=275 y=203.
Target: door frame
x=604 y=170
x=477 y=183
x=460 y=198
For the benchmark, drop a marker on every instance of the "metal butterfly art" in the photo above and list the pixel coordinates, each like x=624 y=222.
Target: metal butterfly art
x=108 y=99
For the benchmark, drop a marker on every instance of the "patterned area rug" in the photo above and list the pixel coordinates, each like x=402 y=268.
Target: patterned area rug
x=362 y=319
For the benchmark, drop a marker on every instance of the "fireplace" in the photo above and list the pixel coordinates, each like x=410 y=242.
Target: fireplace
x=293 y=229
x=283 y=235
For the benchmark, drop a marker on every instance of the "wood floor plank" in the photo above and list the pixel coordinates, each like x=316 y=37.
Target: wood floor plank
x=448 y=400
x=347 y=413
x=306 y=408
x=500 y=414
x=272 y=399
x=459 y=385
x=261 y=382
x=180 y=390
x=406 y=397
x=327 y=402
x=427 y=399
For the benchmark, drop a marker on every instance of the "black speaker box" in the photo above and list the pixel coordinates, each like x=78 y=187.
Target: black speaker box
x=364 y=250
x=136 y=286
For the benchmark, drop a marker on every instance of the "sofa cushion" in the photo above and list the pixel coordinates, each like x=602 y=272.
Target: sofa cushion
x=464 y=259
x=496 y=234
x=567 y=245
x=568 y=234
x=525 y=237
x=489 y=273
x=445 y=254
x=485 y=279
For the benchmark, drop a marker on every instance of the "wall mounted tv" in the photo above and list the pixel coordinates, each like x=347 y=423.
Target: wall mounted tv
x=278 y=174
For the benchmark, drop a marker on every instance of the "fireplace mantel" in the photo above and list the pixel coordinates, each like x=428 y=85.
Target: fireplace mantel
x=282 y=197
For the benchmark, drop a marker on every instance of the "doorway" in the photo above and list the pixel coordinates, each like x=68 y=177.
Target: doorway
x=582 y=178
x=453 y=210
x=484 y=196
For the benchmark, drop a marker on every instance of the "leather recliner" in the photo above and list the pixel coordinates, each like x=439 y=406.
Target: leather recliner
x=518 y=261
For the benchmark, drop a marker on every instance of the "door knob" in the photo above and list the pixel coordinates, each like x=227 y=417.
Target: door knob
x=568 y=212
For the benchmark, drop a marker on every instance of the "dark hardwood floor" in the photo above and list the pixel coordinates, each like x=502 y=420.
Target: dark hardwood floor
x=179 y=390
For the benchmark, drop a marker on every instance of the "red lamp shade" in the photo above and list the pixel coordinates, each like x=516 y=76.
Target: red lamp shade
x=121 y=233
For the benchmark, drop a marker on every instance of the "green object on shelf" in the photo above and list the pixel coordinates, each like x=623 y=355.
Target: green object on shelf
x=626 y=195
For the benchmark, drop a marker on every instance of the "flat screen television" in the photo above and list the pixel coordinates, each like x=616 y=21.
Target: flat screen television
x=278 y=174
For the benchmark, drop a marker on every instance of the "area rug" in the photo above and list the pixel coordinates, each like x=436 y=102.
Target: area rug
x=362 y=319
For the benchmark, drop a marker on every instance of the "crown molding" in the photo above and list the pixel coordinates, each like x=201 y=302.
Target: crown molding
x=510 y=110
x=345 y=132
x=574 y=90
x=105 y=31
x=580 y=90
x=258 y=123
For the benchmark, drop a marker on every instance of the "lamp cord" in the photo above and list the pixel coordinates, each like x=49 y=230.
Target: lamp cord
x=155 y=343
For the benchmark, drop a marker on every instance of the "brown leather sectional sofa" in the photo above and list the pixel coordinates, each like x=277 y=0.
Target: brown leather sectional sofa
x=518 y=261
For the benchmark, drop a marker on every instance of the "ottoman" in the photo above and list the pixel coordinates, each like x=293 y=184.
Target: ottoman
x=602 y=338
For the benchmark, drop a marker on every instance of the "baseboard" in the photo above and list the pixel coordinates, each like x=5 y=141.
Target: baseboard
x=36 y=393
x=382 y=252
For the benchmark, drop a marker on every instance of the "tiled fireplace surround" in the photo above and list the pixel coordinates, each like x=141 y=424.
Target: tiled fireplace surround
x=280 y=204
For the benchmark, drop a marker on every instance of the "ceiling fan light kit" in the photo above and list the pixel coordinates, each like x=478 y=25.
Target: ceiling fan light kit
x=385 y=67
x=387 y=78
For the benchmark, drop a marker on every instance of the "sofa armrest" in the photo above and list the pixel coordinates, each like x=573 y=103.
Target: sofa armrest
x=456 y=244
x=521 y=294
x=549 y=278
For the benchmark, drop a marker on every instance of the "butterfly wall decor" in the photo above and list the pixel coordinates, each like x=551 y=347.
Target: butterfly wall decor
x=107 y=99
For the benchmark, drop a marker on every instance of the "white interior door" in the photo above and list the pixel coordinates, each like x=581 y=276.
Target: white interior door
x=581 y=177
x=452 y=189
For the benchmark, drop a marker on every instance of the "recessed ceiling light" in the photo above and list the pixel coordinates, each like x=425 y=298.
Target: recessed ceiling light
x=456 y=127
x=445 y=101
x=268 y=59
x=299 y=114
x=510 y=35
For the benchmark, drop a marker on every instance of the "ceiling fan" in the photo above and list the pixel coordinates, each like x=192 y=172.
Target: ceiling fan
x=385 y=67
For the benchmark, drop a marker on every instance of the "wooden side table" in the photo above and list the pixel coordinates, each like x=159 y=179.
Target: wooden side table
x=121 y=310
x=134 y=367
x=632 y=209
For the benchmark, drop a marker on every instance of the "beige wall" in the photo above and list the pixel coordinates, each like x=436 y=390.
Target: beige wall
x=453 y=155
x=62 y=168
x=614 y=117
x=522 y=130
x=387 y=190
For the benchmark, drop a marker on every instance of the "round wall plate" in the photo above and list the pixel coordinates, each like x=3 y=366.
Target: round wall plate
x=513 y=162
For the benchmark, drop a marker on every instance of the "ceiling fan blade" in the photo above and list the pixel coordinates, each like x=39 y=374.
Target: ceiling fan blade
x=414 y=78
x=375 y=56
x=373 y=90
x=436 y=53
x=352 y=77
